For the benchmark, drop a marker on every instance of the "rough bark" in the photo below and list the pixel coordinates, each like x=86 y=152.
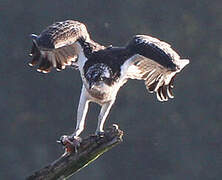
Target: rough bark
x=90 y=149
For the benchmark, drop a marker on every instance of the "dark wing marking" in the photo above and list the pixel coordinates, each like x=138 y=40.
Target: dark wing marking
x=56 y=45
x=156 y=63
x=113 y=57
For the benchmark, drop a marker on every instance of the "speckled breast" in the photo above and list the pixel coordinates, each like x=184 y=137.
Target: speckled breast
x=102 y=93
x=102 y=96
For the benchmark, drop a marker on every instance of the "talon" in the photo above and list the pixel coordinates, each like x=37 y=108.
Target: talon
x=70 y=143
x=64 y=140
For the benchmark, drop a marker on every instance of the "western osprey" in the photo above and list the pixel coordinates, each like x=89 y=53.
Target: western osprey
x=105 y=69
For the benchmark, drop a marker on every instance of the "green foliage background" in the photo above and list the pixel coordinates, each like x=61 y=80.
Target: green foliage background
x=179 y=139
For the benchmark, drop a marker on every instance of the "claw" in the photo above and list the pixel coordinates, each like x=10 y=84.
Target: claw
x=70 y=143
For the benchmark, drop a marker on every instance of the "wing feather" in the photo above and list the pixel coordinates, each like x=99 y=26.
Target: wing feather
x=156 y=63
x=56 y=45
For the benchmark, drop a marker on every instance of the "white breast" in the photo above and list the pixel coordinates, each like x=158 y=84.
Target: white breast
x=103 y=93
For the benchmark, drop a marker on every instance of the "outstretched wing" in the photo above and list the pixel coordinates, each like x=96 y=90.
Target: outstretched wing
x=155 y=62
x=56 y=45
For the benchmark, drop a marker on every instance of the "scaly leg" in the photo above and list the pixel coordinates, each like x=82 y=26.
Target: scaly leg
x=102 y=116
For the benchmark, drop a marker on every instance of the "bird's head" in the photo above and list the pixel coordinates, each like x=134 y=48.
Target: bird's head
x=97 y=74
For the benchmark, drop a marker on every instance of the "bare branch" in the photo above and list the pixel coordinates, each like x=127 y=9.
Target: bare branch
x=90 y=149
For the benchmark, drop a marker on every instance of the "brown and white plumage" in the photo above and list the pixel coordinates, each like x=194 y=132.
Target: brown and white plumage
x=156 y=63
x=56 y=45
x=105 y=69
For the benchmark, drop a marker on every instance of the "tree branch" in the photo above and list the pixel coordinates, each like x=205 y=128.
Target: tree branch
x=90 y=149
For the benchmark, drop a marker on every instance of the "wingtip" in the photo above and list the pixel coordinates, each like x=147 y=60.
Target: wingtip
x=30 y=64
x=33 y=36
x=39 y=70
x=42 y=71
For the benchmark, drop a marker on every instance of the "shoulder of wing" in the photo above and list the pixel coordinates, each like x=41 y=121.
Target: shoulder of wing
x=154 y=49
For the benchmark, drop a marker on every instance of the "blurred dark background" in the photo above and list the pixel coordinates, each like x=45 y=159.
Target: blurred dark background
x=179 y=139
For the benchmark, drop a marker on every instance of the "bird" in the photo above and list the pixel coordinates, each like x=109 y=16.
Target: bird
x=105 y=69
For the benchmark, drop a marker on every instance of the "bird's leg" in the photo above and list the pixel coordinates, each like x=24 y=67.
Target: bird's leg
x=74 y=138
x=81 y=113
x=102 y=117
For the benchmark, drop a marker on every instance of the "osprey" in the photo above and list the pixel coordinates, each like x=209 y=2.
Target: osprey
x=105 y=69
